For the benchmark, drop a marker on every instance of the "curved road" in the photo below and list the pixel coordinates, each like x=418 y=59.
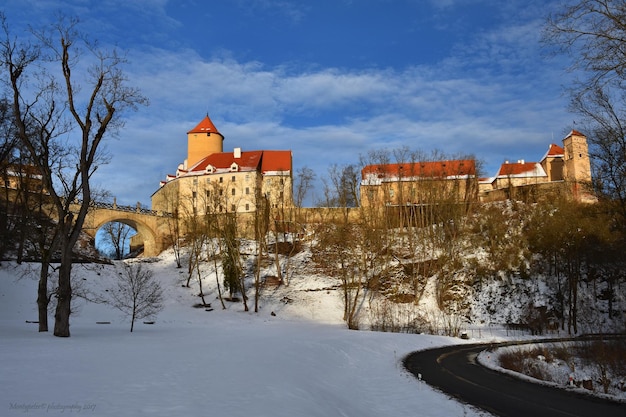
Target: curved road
x=453 y=370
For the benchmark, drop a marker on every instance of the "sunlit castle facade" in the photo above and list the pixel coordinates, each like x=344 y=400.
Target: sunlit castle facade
x=562 y=171
x=416 y=183
x=566 y=168
x=213 y=181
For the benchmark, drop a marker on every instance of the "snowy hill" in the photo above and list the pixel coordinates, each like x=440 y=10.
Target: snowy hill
x=302 y=361
x=294 y=357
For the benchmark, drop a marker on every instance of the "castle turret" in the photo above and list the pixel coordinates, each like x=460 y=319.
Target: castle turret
x=576 y=156
x=202 y=141
x=577 y=166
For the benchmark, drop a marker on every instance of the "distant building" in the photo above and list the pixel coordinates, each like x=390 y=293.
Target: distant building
x=22 y=177
x=417 y=183
x=564 y=170
x=213 y=181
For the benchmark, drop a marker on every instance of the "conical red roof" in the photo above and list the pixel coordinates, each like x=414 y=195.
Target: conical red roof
x=205 y=126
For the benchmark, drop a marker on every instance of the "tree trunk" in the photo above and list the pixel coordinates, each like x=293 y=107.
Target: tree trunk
x=64 y=294
x=204 y=304
x=42 y=296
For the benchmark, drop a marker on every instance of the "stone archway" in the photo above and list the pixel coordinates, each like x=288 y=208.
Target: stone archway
x=146 y=226
x=144 y=233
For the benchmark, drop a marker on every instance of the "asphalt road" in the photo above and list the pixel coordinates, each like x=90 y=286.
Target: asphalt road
x=454 y=371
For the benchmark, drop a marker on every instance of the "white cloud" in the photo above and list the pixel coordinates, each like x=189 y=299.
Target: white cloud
x=494 y=96
x=253 y=106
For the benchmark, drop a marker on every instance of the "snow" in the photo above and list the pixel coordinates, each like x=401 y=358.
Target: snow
x=557 y=373
x=302 y=361
x=294 y=357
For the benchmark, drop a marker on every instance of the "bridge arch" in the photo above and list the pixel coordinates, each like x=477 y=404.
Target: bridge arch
x=144 y=232
x=145 y=222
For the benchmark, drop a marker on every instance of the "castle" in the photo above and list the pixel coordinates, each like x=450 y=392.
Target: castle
x=213 y=181
x=568 y=166
x=562 y=170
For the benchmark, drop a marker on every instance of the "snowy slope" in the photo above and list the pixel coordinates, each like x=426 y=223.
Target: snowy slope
x=300 y=362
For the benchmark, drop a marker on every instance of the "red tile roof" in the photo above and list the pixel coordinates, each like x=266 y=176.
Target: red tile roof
x=521 y=169
x=438 y=169
x=265 y=161
x=555 y=150
x=205 y=126
x=275 y=161
x=576 y=133
x=223 y=160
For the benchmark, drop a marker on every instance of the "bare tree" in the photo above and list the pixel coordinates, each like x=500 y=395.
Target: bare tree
x=196 y=238
x=61 y=119
x=171 y=203
x=261 y=227
x=605 y=117
x=593 y=34
x=213 y=202
x=303 y=184
x=137 y=294
x=231 y=259
x=117 y=235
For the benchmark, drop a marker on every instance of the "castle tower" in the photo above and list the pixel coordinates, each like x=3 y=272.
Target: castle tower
x=576 y=156
x=577 y=166
x=202 y=141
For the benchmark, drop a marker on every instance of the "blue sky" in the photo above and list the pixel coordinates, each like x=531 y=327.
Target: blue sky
x=328 y=79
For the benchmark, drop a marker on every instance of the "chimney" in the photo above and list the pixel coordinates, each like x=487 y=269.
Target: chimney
x=237 y=153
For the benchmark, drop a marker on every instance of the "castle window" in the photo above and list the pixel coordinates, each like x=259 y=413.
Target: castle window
x=221 y=179
x=247 y=190
x=233 y=178
x=232 y=192
x=232 y=207
x=193 y=195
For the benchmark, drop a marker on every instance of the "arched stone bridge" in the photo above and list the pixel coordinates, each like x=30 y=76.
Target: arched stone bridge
x=151 y=226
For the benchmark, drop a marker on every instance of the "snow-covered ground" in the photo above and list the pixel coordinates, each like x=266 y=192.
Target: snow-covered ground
x=293 y=358
x=302 y=361
x=559 y=373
